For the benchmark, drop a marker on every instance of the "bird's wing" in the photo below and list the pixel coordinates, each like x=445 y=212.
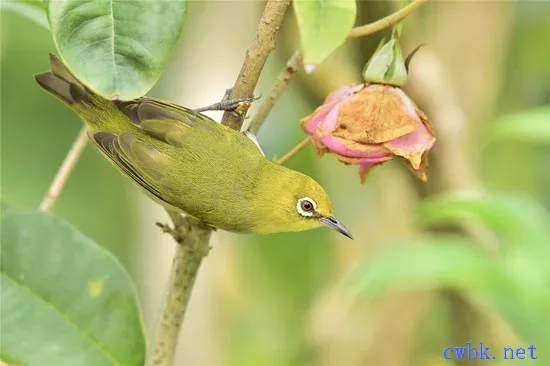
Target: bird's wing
x=140 y=161
x=165 y=121
x=149 y=163
x=180 y=126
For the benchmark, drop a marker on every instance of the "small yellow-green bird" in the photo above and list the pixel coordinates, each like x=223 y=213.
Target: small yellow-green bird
x=189 y=162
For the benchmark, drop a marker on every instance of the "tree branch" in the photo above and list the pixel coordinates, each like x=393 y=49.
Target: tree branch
x=294 y=63
x=192 y=235
x=191 y=249
x=64 y=170
x=256 y=56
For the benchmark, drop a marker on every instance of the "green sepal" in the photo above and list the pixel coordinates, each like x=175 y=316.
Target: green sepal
x=387 y=65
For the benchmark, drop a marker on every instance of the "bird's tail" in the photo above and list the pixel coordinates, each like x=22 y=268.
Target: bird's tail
x=63 y=84
x=95 y=110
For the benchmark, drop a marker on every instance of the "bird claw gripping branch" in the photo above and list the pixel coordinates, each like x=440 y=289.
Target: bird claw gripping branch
x=237 y=106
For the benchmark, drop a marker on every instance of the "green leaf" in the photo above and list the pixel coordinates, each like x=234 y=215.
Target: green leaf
x=30 y=9
x=324 y=26
x=453 y=262
x=64 y=299
x=450 y=262
x=7 y=209
x=117 y=47
x=532 y=125
x=519 y=221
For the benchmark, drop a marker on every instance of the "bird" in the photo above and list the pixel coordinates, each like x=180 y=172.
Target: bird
x=190 y=163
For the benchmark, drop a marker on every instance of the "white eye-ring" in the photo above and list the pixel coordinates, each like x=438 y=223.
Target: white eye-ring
x=306 y=207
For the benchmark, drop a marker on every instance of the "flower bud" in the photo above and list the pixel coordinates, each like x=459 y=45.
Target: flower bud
x=387 y=65
x=369 y=124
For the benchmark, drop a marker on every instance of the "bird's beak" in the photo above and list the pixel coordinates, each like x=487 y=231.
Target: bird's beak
x=332 y=223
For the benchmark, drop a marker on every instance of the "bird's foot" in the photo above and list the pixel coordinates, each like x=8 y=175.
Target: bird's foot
x=237 y=106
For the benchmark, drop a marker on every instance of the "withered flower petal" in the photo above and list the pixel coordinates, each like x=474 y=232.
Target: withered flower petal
x=369 y=124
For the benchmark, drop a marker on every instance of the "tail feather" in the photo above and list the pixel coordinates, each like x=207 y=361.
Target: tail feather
x=62 y=83
x=61 y=71
x=58 y=87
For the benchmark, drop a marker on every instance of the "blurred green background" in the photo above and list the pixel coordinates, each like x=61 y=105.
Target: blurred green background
x=276 y=300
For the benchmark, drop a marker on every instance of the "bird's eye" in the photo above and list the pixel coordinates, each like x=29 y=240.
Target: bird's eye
x=306 y=206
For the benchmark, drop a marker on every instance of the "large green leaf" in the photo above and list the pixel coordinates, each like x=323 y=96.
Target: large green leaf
x=118 y=48
x=519 y=221
x=324 y=26
x=532 y=125
x=64 y=299
x=452 y=262
x=31 y=9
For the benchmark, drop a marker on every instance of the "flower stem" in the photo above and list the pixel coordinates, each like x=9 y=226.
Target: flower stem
x=385 y=22
x=64 y=170
x=294 y=151
x=295 y=60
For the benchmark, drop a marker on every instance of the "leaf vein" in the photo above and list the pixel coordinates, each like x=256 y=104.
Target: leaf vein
x=90 y=44
x=115 y=76
x=75 y=29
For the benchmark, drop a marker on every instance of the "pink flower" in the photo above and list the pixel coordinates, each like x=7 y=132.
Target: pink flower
x=369 y=124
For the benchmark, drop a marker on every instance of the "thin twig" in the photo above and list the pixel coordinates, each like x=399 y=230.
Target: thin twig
x=281 y=83
x=385 y=22
x=295 y=60
x=64 y=170
x=256 y=56
x=194 y=235
x=294 y=151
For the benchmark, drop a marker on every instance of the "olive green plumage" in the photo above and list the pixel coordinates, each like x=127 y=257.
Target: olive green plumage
x=187 y=161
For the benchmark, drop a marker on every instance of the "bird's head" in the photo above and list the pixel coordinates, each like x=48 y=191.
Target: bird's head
x=300 y=203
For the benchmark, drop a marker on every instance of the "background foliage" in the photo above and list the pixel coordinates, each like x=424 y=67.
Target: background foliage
x=307 y=298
